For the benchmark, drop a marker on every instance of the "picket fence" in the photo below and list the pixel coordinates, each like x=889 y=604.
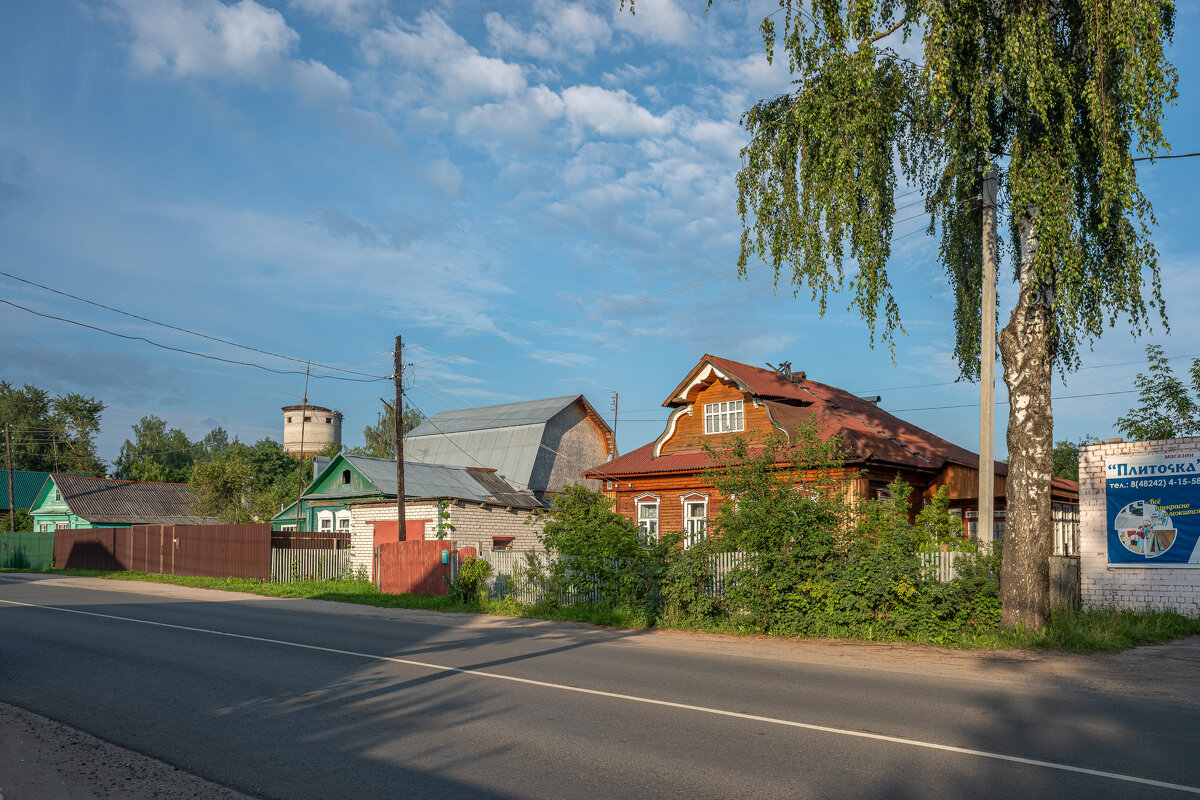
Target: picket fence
x=510 y=569
x=289 y=565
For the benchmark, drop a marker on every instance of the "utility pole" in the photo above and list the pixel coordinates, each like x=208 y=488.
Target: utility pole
x=399 y=377
x=12 y=515
x=616 y=399
x=987 y=364
x=300 y=477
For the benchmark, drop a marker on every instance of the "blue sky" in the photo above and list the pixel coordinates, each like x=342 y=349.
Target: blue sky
x=539 y=198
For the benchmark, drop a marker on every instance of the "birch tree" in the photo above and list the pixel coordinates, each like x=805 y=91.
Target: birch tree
x=1058 y=95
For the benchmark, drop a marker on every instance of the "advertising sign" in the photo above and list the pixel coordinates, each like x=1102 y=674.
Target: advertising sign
x=1153 y=510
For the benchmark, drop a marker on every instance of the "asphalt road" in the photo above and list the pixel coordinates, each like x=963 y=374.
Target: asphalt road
x=284 y=700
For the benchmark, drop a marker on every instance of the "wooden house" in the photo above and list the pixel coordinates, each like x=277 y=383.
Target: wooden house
x=661 y=485
x=77 y=501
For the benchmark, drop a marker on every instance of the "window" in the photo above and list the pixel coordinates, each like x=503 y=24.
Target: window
x=57 y=496
x=723 y=417
x=346 y=476
x=325 y=521
x=289 y=419
x=48 y=526
x=328 y=420
x=308 y=419
x=343 y=522
x=647 y=519
x=695 y=517
x=502 y=542
x=291 y=527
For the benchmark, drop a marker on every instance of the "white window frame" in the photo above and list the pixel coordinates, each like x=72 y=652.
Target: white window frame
x=325 y=521
x=725 y=417
x=647 y=527
x=695 y=529
x=339 y=518
x=291 y=527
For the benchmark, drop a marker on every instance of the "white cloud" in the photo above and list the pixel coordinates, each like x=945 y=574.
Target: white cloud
x=519 y=120
x=208 y=38
x=564 y=31
x=661 y=21
x=446 y=177
x=347 y=15
x=432 y=46
x=318 y=84
x=611 y=113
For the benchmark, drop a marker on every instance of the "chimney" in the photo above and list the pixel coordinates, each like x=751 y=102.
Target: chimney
x=874 y=399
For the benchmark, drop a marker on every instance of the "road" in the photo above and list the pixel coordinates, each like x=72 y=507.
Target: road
x=300 y=699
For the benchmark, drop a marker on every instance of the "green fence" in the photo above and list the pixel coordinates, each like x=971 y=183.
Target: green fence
x=26 y=550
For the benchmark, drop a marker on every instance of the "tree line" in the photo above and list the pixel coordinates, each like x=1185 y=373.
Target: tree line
x=234 y=480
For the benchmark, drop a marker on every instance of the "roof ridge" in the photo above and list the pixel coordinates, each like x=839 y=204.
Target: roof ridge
x=117 y=480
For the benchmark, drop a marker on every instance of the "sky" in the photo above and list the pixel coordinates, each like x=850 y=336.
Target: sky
x=538 y=197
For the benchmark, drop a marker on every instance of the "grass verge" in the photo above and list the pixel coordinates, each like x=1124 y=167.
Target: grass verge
x=1070 y=631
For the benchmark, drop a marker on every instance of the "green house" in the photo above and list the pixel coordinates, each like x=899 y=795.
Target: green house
x=325 y=504
x=77 y=501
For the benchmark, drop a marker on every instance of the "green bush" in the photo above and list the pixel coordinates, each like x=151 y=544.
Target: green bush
x=470 y=584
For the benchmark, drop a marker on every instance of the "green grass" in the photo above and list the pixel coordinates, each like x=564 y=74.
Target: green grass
x=1091 y=631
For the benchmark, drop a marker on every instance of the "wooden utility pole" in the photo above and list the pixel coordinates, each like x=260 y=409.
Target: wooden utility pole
x=300 y=477
x=12 y=514
x=616 y=399
x=987 y=365
x=399 y=377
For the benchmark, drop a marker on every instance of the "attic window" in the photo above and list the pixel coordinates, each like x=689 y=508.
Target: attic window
x=723 y=417
x=328 y=420
x=346 y=476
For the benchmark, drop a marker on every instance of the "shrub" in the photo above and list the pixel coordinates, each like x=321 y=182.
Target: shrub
x=471 y=583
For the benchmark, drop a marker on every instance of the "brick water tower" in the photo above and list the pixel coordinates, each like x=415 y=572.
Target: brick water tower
x=317 y=426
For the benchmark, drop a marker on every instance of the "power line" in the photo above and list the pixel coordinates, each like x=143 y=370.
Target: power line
x=181 y=330
x=1005 y=402
x=186 y=351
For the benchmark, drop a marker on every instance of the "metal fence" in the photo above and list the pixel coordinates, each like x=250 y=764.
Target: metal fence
x=212 y=551
x=289 y=565
x=27 y=550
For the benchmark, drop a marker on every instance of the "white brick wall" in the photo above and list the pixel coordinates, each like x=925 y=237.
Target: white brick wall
x=1126 y=587
x=472 y=526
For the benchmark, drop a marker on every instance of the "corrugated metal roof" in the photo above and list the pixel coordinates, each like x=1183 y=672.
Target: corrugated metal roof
x=511 y=451
x=440 y=480
x=26 y=485
x=505 y=415
x=100 y=500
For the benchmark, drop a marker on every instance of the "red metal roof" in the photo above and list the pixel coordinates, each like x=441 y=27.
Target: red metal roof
x=873 y=434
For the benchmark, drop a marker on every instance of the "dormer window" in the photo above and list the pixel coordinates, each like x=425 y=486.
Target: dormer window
x=723 y=417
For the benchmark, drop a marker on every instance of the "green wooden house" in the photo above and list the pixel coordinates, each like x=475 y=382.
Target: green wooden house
x=77 y=501
x=325 y=506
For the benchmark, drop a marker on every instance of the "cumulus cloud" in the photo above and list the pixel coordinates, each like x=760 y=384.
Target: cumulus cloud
x=208 y=38
x=611 y=113
x=432 y=47
x=660 y=21
x=518 y=120
x=447 y=178
x=346 y=15
x=563 y=31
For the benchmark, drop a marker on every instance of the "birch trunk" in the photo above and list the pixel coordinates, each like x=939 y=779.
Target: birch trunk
x=1027 y=352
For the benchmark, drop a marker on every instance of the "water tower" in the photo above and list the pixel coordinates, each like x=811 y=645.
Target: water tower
x=317 y=426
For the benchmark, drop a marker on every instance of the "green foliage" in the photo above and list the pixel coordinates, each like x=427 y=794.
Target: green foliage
x=470 y=585
x=156 y=453
x=52 y=433
x=1066 y=458
x=1166 y=410
x=22 y=518
x=247 y=483
x=444 y=528
x=583 y=526
x=379 y=440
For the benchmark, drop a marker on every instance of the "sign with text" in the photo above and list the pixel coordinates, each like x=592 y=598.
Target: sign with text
x=1153 y=509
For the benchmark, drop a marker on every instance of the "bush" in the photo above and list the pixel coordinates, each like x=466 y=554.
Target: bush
x=471 y=583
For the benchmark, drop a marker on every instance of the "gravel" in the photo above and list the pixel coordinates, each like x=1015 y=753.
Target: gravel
x=41 y=759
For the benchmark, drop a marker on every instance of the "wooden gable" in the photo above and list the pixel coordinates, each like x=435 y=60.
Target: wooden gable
x=333 y=480
x=686 y=430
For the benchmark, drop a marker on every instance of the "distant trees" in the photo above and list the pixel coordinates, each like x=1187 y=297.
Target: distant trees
x=156 y=453
x=52 y=433
x=379 y=440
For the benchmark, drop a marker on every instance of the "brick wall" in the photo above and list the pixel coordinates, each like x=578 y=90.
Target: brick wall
x=472 y=525
x=1126 y=587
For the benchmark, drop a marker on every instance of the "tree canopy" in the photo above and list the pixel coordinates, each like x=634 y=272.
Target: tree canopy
x=156 y=453
x=1165 y=409
x=379 y=440
x=52 y=433
x=1056 y=96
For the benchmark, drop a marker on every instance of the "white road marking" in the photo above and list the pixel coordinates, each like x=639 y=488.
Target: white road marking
x=1033 y=762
